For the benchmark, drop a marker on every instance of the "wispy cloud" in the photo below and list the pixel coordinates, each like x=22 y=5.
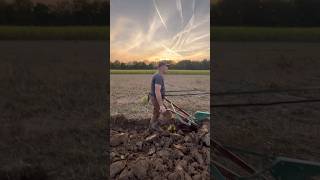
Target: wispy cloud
x=162 y=20
x=162 y=29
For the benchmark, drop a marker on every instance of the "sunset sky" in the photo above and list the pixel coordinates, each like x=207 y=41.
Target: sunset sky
x=159 y=29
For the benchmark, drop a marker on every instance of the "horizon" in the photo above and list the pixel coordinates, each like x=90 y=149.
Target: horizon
x=151 y=61
x=158 y=30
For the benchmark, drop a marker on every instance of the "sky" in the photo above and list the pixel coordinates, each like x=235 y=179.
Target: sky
x=156 y=30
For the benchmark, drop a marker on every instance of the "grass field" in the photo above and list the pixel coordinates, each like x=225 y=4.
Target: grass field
x=182 y=72
x=265 y=34
x=54 y=33
x=217 y=33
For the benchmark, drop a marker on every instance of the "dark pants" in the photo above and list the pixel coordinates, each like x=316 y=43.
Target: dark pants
x=156 y=109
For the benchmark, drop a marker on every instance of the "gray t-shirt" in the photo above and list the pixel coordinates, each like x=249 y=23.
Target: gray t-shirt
x=157 y=79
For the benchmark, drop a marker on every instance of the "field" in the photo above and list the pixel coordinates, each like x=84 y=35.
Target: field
x=54 y=33
x=265 y=34
x=290 y=130
x=181 y=72
x=161 y=156
x=217 y=33
x=53 y=112
x=127 y=92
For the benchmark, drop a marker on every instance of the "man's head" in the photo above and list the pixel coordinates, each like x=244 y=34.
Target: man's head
x=163 y=67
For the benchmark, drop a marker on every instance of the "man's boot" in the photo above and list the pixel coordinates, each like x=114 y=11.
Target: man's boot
x=154 y=125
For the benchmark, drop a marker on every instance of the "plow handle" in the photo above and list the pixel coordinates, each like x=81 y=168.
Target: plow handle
x=177 y=107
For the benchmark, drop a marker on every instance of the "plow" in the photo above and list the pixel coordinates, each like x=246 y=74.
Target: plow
x=279 y=167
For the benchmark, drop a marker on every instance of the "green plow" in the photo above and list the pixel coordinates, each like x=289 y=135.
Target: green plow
x=185 y=118
x=281 y=168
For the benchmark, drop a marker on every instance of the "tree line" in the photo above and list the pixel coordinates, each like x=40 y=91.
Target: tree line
x=65 y=12
x=265 y=13
x=223 y=13
x=181 y=65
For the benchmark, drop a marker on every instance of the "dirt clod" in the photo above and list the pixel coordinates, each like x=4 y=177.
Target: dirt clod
x=206 y=139
x=197 y=156
x=151 y=138
x=181 y=148
x=116 y=168
x=150 y=155
x=140 y=168
x=118 y=139
x=152 y=150
x=187 y=176
x=126 y=175
x=187 y=139
x=173 y=176
x=197 y=177
x=164 y=154
x=139 y=145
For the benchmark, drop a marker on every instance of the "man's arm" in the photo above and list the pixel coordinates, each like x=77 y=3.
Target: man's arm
x=159 y=97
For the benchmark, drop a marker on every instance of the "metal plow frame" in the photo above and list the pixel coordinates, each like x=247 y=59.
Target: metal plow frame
x=281 y=168
x=184 y=117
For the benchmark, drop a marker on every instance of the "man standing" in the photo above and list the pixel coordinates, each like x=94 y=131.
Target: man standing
x=157 y=95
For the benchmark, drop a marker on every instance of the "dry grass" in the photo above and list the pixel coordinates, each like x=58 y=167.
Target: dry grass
x=126 y=92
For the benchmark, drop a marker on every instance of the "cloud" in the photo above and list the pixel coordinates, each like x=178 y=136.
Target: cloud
x=168 y=32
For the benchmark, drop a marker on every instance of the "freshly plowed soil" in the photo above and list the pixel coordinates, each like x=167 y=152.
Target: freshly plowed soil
x=140 y=153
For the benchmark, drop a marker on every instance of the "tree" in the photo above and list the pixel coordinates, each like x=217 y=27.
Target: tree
x=41 y=14
x=3 y=14
x=115 y=65
x=21 y=12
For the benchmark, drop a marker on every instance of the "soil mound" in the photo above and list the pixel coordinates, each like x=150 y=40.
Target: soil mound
x=140 y=153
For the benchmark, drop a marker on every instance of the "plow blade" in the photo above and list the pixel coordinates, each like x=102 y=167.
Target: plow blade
x=293 y=169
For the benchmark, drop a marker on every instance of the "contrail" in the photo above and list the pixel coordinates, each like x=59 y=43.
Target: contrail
x=170 y=50
x=155 y=5
x=199 y=37
x=189 y=27
x=193 y=6
x=183 y=34
x=179 y=7
x=190 y=23
x=187 y=31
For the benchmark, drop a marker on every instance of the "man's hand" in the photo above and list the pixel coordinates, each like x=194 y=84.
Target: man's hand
x=162 y=109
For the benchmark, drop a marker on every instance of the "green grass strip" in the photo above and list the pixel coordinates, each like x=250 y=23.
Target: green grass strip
x=265 y=34
x=54 y=33
x=182 y=72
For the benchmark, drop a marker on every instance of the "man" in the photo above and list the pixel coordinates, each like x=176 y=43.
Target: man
x=157 y=95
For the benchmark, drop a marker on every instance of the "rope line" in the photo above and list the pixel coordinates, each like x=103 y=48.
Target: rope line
x=264 y=91
x=188 y=94
x=265 y=104
x=251 y=92
x=230 y=93
x=186 y=90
